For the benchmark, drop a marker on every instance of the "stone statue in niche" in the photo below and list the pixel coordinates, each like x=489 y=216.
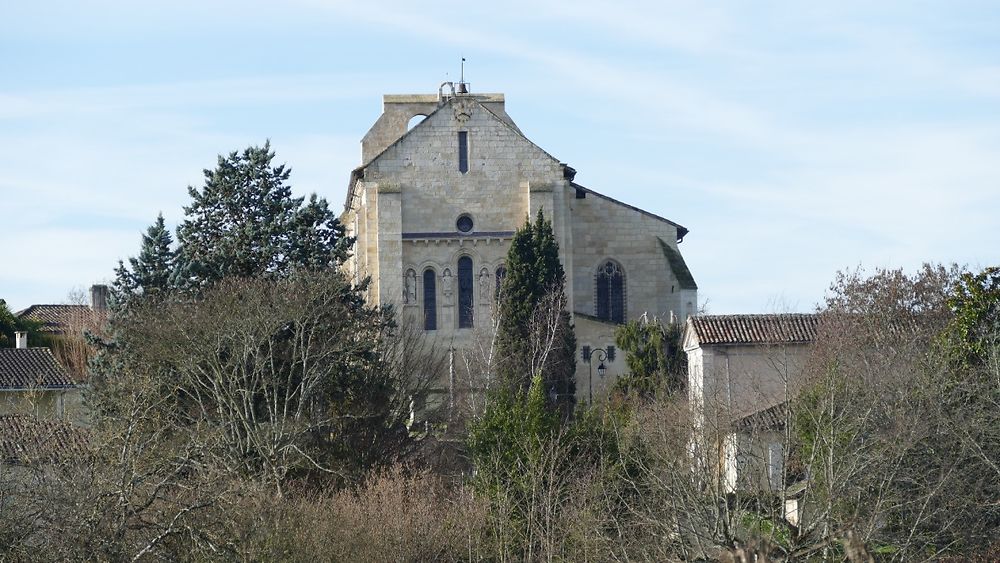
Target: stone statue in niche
x=485 y=280
x=410 y=288
x=447 y=286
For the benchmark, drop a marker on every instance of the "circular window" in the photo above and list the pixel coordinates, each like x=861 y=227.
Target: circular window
x=464 y=223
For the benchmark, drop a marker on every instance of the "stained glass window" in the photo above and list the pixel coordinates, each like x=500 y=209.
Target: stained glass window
x=465 y=283
x=610 y=289
x=430 y=300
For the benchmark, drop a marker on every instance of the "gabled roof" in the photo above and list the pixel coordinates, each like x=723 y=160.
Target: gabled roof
x=682 y=231
x=57 y=319
x=506 y=121
x=358 y=172
x=753 y=329
x=31 y=368
x=26 y=439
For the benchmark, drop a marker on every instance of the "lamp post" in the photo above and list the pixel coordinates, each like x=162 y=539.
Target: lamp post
x=601 y=370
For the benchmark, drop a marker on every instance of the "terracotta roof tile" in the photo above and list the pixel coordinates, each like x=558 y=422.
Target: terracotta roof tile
x=755 y=329
x=22 y=368
x=58 y=319
x=772 y=418
x=26 y=439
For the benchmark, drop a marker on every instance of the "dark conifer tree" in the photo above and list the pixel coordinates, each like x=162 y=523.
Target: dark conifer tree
x=150 y=271
x=244 y=222
x=535 y=280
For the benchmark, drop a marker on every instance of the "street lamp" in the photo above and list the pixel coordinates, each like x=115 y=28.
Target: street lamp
x=601 y=369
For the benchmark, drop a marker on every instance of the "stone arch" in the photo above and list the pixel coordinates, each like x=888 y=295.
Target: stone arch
x=415 y=119
x=609 y=291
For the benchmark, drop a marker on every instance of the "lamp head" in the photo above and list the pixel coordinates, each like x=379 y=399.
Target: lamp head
x=601 y=370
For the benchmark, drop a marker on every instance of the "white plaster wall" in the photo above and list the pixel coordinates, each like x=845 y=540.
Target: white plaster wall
x=739 y=380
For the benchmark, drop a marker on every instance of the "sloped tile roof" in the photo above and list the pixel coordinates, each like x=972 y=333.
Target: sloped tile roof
x=58 y=319
x=755 y=329
x=771 y=418
x=31 y=368
x=26 y=439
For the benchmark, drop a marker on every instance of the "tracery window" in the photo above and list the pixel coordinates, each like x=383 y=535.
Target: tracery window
x=465 y=283
x=430 y=300
x=610 y=289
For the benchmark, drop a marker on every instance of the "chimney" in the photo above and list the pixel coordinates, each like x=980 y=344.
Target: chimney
x=21 y=338
x=98 y=297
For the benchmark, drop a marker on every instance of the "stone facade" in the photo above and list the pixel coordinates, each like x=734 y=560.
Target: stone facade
x=468 y=160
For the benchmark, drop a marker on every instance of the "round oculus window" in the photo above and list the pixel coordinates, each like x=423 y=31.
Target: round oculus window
x=464 y=223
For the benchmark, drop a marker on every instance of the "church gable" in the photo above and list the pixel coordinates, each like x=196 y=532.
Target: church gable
x=493 y=143
x=464 y=159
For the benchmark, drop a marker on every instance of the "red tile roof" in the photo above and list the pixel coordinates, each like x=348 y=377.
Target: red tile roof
x=26 y=439
x=25 y=368
x=754 y=329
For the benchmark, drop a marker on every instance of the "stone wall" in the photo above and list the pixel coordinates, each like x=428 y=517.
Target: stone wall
x=411 y=193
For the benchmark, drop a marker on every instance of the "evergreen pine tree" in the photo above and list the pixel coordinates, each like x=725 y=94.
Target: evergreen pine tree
x=153 y=267
x=150 y=271
x=244 y=222
x=535 y=279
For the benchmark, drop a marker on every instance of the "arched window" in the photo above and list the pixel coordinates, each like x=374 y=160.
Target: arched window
x=610 y=286
x=465 y=283
x=430 y=300
x=501 y=274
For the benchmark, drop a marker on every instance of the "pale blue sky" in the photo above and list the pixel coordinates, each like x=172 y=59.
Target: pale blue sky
x=793 y=139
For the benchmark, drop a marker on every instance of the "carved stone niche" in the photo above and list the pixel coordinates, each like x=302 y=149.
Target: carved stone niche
x=410 y=288
x=485 y=286
x=447 y=286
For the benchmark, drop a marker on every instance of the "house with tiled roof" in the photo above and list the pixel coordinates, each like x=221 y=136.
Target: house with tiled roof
x=33 y=382
x=62 y=319
x=742 y=370
x=66 y=327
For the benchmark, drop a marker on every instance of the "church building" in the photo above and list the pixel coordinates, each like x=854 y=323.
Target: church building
x=434 y=207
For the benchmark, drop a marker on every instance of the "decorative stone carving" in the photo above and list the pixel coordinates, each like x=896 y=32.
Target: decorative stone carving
x=485 y=281
x=463 y=110
x=447 y=286
x=410 y=288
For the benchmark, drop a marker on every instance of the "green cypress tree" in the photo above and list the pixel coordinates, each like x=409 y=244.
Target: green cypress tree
x=535 y=281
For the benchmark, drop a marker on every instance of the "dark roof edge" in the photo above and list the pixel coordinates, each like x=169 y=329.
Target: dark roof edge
x=682 y=231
